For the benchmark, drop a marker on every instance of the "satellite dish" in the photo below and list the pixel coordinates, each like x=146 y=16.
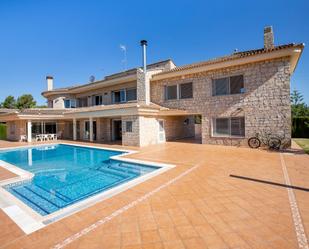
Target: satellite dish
x=92 y=78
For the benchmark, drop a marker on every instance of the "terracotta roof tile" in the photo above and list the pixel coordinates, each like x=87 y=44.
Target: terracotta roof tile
x=236 y=55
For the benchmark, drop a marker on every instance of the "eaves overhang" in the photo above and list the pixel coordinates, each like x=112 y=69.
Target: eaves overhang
x=293 y=52
x=91 y=86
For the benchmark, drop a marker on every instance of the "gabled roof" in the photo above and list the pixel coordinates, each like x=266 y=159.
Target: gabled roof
x=231 y=57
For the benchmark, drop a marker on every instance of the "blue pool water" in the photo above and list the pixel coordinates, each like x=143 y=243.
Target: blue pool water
x=66 y=174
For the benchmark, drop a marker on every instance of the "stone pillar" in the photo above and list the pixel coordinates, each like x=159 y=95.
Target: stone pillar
x=91 y=129
x=29 y=131
x=143 y=88
x=74 y=129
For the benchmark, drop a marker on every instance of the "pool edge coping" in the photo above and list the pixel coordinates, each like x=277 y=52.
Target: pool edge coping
x=39 y=221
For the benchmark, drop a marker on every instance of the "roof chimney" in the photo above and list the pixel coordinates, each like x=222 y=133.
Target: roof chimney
x=268 y=37
x=50 y=83
x=144 y=45
x=146 y=81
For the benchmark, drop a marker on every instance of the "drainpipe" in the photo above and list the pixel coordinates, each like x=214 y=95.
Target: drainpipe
x=146 y=82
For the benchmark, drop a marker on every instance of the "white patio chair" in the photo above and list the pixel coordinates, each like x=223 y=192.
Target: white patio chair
x=38 y=138
x=23 y=138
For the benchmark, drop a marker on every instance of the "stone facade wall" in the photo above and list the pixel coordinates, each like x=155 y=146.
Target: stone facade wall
x=149 y=128
x=146 y=129
x=104 y=130
x=131 y=138
x=265 y=104
x=140 y=87
x=14 y=129
x=177 y=128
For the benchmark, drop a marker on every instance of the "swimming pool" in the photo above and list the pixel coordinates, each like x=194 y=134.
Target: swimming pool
x=67 y=174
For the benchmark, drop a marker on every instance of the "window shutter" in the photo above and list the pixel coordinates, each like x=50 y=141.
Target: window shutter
x=236 y=84
x=128 y=126
x=122 y=95
x=186 y=90
x=221 y=86
x=222 y=127
x=238 y=126
x=171 y=92
x=131 y=94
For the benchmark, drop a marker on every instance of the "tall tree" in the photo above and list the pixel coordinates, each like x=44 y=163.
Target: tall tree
x=25 y=101
x=9 y=102
x=298 y=106
x=296 y=98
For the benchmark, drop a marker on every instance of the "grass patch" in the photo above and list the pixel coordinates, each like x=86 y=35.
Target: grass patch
x=2 y=131
x=304 y=143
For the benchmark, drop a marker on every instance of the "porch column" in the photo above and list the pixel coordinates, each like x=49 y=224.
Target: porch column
x=91 y=129
x=74 y=129
x=29 y=131
x=42 y=128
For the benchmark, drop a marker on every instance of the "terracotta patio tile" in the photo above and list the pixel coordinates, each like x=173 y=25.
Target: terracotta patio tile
x=214 y=242
x=130 y=238
x=169 y=234
x=186 y=232
x=150 y=236
x=177 y=244
x=205 y=208
x=157 y=245
x=196 y=243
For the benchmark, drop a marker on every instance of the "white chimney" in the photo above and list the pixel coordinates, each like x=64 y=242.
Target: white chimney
x=146 y=81
x=268 y=37
x=50 y=83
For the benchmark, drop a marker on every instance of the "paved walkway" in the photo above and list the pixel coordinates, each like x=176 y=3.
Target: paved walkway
x=195 y=205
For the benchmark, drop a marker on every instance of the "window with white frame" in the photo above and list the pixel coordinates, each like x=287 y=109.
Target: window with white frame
x=129 y=127
x=228 y=127
x=228 y=85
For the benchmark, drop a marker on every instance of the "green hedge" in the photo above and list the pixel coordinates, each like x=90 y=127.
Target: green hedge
x=300 y=127
x=2 y=131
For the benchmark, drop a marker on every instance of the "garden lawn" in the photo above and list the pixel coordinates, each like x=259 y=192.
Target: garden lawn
x=304 y=143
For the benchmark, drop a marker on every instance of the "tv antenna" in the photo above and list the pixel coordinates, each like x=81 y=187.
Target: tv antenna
x=124 y=60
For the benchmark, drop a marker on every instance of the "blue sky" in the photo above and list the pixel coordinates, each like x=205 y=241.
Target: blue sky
x=73 y=40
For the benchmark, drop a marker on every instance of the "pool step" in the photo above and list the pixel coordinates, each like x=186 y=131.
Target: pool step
x=107 y=169
x=123 y=168
x=53 y=198
x=40 y=204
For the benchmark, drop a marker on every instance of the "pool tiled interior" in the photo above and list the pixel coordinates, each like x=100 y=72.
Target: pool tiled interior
x=205 y=208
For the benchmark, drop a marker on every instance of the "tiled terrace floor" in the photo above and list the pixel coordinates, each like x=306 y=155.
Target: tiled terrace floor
x=206 y=208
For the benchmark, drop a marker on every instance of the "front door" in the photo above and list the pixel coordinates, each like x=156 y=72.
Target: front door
x=117 y=130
